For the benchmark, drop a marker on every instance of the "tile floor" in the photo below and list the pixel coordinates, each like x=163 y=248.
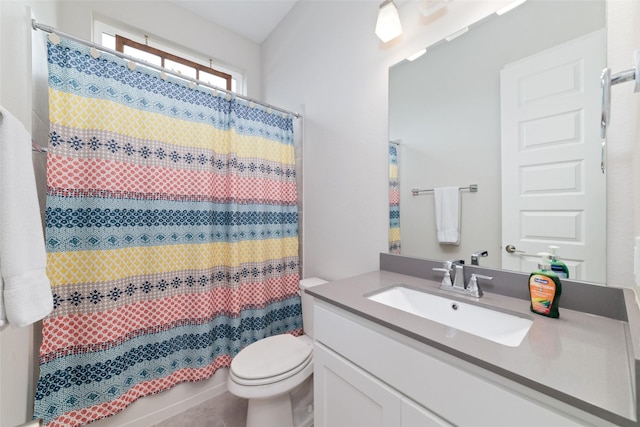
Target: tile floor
x=225 y=410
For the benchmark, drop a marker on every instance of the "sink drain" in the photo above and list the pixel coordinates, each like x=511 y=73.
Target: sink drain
x=454 y=306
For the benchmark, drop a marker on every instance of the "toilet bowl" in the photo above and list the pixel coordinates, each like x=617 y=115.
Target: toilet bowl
x=272 y=370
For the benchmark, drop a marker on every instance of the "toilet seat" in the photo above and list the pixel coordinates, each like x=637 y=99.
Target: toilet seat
x=271 y=360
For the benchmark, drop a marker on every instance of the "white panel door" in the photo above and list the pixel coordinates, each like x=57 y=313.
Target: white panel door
x=553 y=192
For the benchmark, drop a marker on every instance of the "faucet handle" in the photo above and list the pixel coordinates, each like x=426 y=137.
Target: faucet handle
x=452 y=262
x=473 y=287
x=446 y=280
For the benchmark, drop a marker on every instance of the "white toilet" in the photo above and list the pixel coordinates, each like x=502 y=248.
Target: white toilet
x=275 y=371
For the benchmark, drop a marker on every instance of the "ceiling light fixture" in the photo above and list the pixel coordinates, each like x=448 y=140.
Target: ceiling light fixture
x=509 y=7
x=417 y=55
x=388 y=24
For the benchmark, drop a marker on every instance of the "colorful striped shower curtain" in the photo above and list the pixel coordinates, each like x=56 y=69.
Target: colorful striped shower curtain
x=171 y=230
x=394 y=200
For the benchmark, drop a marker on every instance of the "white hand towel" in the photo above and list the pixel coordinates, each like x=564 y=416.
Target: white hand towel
x=25 y=291
x=447 y=206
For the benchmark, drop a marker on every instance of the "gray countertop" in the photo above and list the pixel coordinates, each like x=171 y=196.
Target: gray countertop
x=584 y=360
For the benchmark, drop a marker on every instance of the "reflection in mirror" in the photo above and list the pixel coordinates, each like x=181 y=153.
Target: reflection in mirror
x=512 y=106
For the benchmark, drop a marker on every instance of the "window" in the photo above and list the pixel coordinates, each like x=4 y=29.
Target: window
x=173 y=62
x=174 y=59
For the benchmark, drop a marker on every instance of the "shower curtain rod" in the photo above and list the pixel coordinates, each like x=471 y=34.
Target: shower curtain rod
x=48 y=29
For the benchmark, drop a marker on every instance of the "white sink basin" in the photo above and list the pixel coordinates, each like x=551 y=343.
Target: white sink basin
x=503 y=328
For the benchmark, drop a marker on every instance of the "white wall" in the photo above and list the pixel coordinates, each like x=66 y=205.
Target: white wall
x=623 y=155
x=324 y=55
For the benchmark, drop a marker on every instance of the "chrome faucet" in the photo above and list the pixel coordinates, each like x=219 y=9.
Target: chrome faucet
x=458 y=278
x=476 y=255
x=458 y=285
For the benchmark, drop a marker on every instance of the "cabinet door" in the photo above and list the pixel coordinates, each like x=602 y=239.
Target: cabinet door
x=414 y=415
x=346 y=396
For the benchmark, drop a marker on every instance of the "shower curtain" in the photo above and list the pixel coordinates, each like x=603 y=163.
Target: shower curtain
x=171 y=231
x=394 y=200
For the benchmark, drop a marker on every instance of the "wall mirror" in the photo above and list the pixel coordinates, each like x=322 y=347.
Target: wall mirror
x=513 y=107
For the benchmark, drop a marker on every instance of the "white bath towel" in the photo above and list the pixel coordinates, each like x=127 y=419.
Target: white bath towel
x=447 y=206
x=25 y=291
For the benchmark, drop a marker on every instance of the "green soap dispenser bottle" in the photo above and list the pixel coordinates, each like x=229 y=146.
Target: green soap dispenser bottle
x=545 y=288
x=557 y=266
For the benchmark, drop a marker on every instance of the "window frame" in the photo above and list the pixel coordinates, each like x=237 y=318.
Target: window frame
x=122 y=41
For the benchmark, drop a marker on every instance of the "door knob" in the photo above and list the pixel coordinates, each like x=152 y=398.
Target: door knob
x=512 y=249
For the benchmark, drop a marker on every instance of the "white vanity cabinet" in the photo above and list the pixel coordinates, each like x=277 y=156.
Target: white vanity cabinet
x=368 y=375
x=347 y=396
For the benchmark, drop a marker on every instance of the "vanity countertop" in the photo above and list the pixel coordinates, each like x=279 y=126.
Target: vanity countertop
x=584 y=360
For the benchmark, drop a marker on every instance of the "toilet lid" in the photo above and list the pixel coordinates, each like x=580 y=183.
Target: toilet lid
x=270 y=357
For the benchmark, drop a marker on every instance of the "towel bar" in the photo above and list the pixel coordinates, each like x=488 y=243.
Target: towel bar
x=38 y=149
x=473 y=188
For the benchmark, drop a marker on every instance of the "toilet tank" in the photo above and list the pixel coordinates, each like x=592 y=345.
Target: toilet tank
x=307 y=303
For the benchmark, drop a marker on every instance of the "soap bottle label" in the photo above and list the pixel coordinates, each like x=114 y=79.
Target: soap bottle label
x=543 y=290
x=559 y=271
